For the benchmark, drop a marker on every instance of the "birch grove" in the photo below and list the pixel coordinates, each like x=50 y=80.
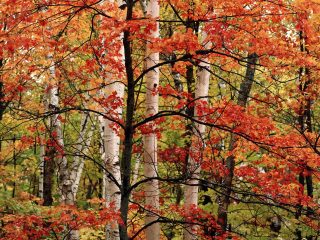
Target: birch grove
x=148 y=119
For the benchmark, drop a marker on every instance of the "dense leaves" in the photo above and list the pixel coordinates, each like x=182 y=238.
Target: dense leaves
x=62 y=64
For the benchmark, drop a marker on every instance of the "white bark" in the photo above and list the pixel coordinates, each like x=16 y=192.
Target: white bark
x=101 y=122
x=111 y=148
x=191 y=189
x=42 y=149
x=150 y=140
x=136 y=170
x=75 y=166
x=112 y=162
x=65 y=183
x=82 y=146
x=53 y=98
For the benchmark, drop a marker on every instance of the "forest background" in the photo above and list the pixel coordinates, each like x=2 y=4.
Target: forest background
x=169 y=119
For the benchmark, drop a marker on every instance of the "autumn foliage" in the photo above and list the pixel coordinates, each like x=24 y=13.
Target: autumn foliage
x=75 y=84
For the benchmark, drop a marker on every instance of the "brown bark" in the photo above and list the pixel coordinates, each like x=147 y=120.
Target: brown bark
x=305 y=124
x=244 y=92
x=125 y=164
x=48 y=176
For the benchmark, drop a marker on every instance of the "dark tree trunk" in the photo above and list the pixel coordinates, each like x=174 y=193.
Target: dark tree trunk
x=100 y=187
x=2 y=102
x=190 y=113
x=244 y=92
x=48 y=176
x=14 y=167
x=305 y=124
x=125 y=164
x=246 y=85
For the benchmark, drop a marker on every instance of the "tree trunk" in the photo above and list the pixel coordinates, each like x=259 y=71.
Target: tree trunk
x=244 y=92
x=50 y=152
x=48 y=176
x=150 y=140
x=112 y=163
x=125 y=164
x=136 y=170
x=41 y=167
x=2 y=102
x=82 y=146
x=111 y=148
x=64 y=183
x=193 y=168
x=305 y=124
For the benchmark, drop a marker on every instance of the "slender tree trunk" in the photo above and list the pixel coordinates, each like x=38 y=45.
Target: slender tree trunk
x=305 y=124
x=57 y=150
x=101 y=123
x=76 y=181
x=83 y=143
x=244 y=92
x=65 y=183
x=125 y=163
x=111 y=148
x=50 y=152
x=41 y=168
x=112 y=162
x=2 y=102
x=193 y=168
x=150 y=140
x=14 y=190
x=136 y=170
x=48 y=176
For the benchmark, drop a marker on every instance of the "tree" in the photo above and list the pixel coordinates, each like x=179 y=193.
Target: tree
x=150 y=139
x=197 y=145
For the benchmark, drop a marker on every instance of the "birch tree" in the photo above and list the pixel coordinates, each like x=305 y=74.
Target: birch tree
x=150 y=140
x=111 y=161
x=82 y=145
x=111 y=139
x=197 y=145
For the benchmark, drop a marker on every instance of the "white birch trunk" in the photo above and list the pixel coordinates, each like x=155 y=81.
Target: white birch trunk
x=191 y=189
x=42 y=147
x=150 y=141
x=112 y=163
x=101 y=122
x=65 y=183
x=75 y=166
x=111 y=141
x=83 y=144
